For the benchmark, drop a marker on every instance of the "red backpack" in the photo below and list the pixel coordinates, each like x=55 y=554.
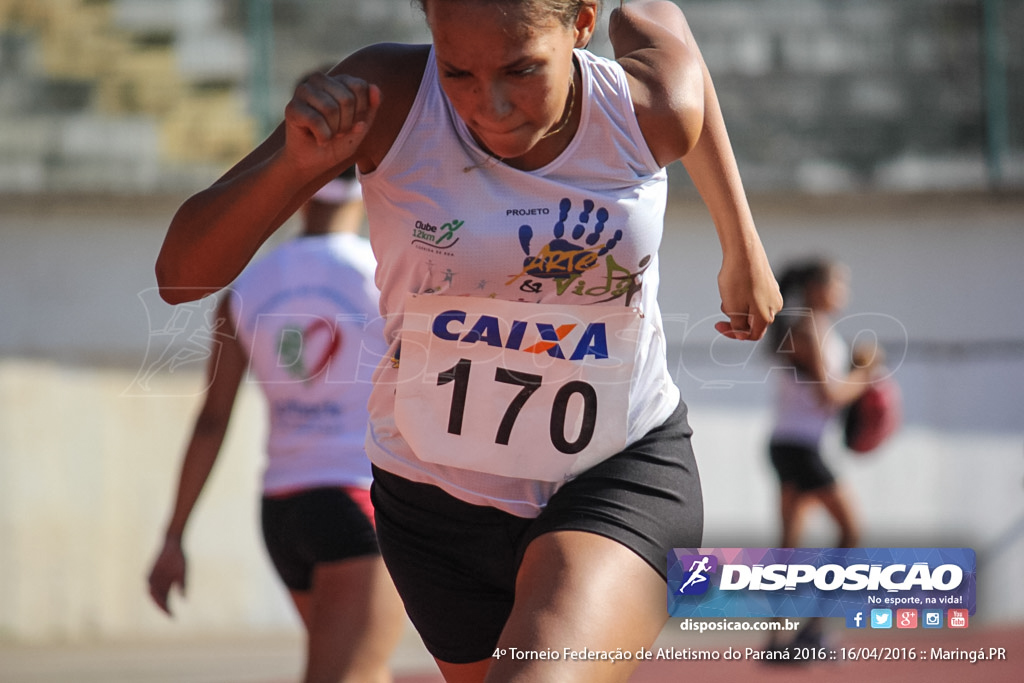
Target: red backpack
x=873 y=417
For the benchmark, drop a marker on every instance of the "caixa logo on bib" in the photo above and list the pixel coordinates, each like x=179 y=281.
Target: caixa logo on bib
x=522 y=335
x=805 y=582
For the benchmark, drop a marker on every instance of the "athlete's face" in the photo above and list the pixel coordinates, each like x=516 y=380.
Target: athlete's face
x=833 y=294
x=506 y=70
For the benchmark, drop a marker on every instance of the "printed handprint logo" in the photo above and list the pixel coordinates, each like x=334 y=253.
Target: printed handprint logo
x=568 y=256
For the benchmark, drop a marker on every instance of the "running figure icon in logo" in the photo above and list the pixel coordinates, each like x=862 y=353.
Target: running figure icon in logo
x=696 y=582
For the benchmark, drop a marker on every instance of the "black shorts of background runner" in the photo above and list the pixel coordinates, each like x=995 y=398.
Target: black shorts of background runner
x=800 y=465
x=312 y=527
x=455 y=563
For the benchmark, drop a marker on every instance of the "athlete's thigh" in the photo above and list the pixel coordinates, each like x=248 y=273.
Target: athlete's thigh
x=578 y=591
x=356 y=620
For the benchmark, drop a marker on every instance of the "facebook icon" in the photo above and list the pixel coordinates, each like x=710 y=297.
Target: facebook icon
x=856 y=619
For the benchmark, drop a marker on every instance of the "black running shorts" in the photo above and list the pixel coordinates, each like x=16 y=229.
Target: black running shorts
x=315 y=526
x=455 y=563
x=800 y=465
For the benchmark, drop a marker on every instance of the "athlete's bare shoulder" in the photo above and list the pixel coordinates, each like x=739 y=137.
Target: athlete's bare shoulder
x=653 y=43
x=397 y=69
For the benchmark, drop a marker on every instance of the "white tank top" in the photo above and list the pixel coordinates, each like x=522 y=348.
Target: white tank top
x=801 y=416
x=448 y=219
x=307 y=318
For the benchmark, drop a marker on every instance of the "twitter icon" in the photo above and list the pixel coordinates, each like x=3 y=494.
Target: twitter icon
x=881 y=618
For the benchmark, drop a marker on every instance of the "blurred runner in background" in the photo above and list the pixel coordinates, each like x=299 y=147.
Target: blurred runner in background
x=297 y=319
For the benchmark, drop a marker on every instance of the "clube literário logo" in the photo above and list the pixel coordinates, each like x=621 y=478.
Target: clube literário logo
x=853 y=583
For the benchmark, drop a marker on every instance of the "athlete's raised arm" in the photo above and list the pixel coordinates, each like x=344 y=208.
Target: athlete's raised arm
x=332 y=121
x=679 y=113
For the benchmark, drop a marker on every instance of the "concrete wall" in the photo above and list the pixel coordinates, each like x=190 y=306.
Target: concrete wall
x=90 y=441
x=93 y=413
x=86 y=483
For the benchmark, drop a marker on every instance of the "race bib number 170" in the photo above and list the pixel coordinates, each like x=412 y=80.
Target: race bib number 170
x=535 y=391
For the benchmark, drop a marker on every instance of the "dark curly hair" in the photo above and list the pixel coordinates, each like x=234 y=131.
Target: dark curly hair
x=565 y=10
x=794 y=283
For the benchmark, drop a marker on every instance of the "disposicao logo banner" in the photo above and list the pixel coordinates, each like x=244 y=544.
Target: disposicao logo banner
x=817 y=582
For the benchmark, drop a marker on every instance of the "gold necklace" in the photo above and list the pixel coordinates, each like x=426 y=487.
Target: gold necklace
x=565 y=119
x=568 y=109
